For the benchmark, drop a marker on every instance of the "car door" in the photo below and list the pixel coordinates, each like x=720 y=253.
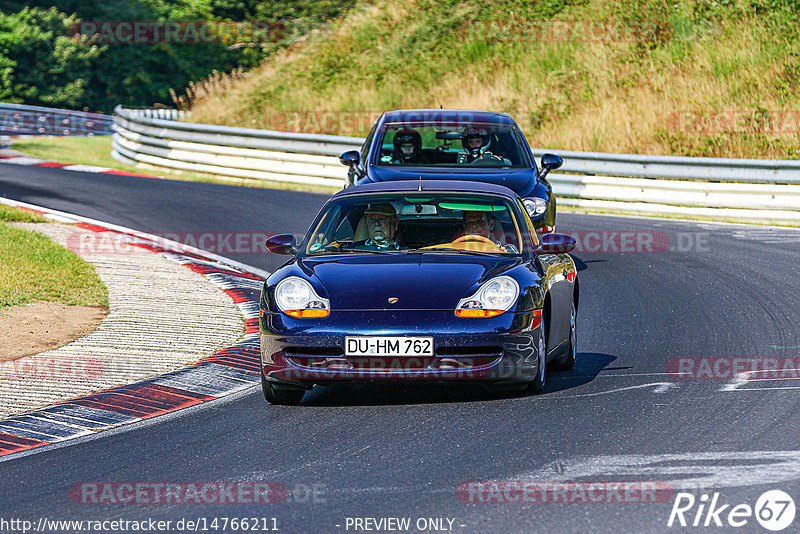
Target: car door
x=556 y=269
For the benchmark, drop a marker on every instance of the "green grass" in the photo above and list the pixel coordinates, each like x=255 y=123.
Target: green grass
x=97 y=151
x=11 y=214
x=34 y=268
x=73 y=151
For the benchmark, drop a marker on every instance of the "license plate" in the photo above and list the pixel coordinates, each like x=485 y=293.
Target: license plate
x=388 y=346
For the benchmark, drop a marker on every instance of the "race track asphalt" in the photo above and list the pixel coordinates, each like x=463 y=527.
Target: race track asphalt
x=707 y=292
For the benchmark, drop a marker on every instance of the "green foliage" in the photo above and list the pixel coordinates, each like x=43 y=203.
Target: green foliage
x=39 y=63
x=42 y=62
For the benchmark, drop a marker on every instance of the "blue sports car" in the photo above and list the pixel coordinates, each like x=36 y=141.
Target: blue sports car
x=447 y=144
x=434 y=281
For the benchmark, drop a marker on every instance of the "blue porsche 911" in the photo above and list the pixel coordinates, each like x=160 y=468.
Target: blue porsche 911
x=428 y=281
x=456 y=144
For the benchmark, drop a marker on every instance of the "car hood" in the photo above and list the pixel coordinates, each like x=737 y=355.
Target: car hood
x=521 y=181
x=417 y=281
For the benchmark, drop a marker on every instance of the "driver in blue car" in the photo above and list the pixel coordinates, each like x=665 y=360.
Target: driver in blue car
x=407 y=147
x=382 y=224
x=476 y=143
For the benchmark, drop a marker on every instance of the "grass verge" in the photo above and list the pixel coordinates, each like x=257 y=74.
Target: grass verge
x=10 y=214
x=37 y=269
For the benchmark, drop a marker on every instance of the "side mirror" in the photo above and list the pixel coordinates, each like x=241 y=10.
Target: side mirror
x=550 y=162
x=351 y=158
x=281 y=244
x=556 y=244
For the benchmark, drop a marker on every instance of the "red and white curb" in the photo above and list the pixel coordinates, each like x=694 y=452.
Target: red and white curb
x=225 y=372
x=36 y=162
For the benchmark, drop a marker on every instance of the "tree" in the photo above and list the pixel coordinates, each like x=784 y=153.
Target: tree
x=40 y=63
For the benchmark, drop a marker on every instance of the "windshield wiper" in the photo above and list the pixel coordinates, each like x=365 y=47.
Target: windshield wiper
x=355 y=251
x=461 y=251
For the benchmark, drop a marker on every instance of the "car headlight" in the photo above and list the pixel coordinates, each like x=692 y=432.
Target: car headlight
x=295 y=296
x=535 y=206
x=493 y=298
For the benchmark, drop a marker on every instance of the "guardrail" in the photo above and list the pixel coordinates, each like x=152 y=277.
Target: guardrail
x=747 y=190
x=19 y=119
x=244 y=153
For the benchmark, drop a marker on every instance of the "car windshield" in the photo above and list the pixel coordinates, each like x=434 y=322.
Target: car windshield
x=460 y=144
x=435 y=223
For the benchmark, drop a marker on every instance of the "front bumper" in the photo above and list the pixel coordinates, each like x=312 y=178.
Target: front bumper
x=311 y=351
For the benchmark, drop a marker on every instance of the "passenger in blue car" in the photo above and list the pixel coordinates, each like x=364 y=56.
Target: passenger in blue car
x=476 y=143
x=486 y=225
x=382 y=222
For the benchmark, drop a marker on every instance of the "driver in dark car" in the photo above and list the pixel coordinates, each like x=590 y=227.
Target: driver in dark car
x=407 y=147
x=476 y=143
x=382 y=224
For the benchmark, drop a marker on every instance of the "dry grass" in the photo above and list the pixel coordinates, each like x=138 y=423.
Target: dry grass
x=613 y=96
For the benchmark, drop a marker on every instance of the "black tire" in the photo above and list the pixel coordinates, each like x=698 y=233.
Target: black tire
x=567 y=362
x=537 y=386
x=286 y=396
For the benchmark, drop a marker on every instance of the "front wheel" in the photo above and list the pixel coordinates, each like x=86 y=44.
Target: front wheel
x=567 y=362
x=537 y=386
x=287 y=396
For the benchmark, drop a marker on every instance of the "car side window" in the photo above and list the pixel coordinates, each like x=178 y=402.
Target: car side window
x=345 y=231
x=367 y=143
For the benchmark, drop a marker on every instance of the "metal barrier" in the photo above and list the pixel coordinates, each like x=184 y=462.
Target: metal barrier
x=763 y=191
x=19 y=119
x=229 y=152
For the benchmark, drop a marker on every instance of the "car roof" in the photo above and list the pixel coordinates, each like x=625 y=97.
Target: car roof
x=447 y=115
x=437 y=186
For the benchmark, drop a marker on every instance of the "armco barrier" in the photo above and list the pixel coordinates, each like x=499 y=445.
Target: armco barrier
x=747 y=190
x=140 y=137
x=18 y=119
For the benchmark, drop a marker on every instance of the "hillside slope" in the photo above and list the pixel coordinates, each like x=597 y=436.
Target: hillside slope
x=702 y=78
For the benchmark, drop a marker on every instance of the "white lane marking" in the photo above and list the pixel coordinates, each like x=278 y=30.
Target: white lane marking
x=682 y=471
x=23 y=160
x=86 y=168
x=660 y=387
x=601 y=374
x=691 y=470
x=738 y=381
x=771 y=235
x=746 y=377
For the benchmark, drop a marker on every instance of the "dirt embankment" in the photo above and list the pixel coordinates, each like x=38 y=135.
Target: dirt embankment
x=34 y=328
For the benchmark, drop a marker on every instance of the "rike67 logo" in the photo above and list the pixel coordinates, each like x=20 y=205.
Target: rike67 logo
x=774 y=510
